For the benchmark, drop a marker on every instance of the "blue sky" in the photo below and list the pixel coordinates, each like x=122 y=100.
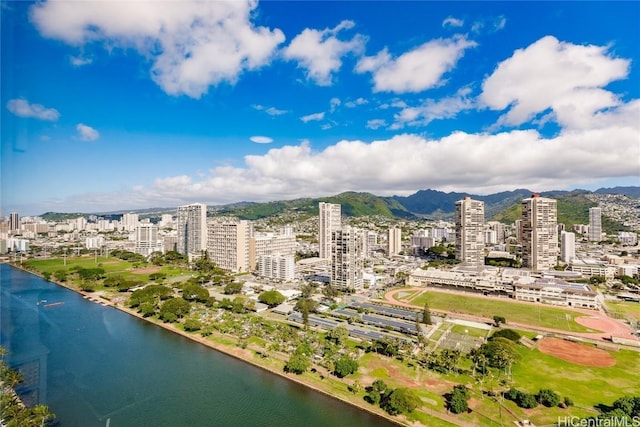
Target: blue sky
x=112 y=105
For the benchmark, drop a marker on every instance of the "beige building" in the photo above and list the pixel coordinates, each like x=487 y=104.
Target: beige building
x=147 y=241
x=330 y=221
x=229 y=243
x=469 y=218
x=394 y=241
x=539 y=233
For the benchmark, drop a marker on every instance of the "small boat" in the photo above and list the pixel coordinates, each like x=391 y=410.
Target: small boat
x=53 y=304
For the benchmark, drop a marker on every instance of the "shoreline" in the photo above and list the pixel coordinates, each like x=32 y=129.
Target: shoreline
x=226 y=351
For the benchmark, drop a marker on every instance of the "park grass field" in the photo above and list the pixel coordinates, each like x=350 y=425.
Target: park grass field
x=112 y=266
x=467 y=330
x=519 y=312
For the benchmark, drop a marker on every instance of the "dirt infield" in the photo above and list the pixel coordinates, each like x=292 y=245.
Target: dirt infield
x=576 y=353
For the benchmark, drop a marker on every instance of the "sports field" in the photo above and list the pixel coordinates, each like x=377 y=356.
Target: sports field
x=524 y=313
x=624 y=310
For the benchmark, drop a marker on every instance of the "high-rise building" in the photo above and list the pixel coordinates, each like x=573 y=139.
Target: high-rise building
x=330 y=221
x=539 y=233
x=277 y=267
x=192 y=228
x=595 y=224
x=347 y=258
x=129 y=221
x=283 y=244
x=229 y=243
x=394 y=241
x=567 y=246
x=469 y=217
x=147 y=240
x=14 y=221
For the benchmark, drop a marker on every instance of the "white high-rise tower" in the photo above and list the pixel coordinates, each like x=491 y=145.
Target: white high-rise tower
x=192 y=228
x=539 y=233
x=330 y=221
x=469 y=217
x=595 y=224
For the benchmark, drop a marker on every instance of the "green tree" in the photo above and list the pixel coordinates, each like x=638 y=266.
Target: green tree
x=400 y=401
x=339 y=334
x=426 y=315
x=457 y=400
x=344 y=366
x=46 y=275
x=509 y=334
x=191 y=325
x=499 y=320
x=233 y=288
x=271 y=298
x=174 y=307
x=298 y=363
x=548 y=397
x=195 y=293
x=305 y=306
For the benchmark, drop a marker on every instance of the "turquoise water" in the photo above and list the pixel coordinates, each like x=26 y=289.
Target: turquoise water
x=97 y=366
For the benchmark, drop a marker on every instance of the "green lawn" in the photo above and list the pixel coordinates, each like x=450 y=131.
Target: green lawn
x=113 y=267
x=525 y=313
x=623 y=309
x=466 y=330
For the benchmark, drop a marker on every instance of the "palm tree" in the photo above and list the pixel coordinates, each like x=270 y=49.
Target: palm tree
x=42 y=414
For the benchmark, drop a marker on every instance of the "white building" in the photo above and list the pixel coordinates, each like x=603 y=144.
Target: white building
x=129 y=221
x=567 y=246
x=94 y=242
x=555 y=291
x=628 y=238
x=394 y=241
x=539 y=233
x=330 y=220
x=283 y=243
x=192 y=228
x=147 y=240
x=595 y=224
x=469 y=217
x=229 y=243
x=347 y=259
x=276 y=266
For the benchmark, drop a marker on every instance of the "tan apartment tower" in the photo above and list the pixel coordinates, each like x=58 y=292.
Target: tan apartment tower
x=229 y=243
x=330 y=221
x=539 y=233
x=469 y=218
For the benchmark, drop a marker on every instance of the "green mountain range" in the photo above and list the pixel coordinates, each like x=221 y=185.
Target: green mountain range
x=573 y=206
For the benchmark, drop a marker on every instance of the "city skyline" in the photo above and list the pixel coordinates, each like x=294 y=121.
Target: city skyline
x=103 y=111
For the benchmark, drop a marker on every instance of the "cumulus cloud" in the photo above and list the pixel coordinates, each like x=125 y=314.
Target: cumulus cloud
x=261 y=139
x=320 y=52
x=22 y=108
x=376 y=123
x=355 y=103
x=312 y=117
x=565 y=78
x=434 y=109
x=192 y=44
x=452 y=22
x=87 y=133
x=272 y=111
x=416 y=70
x=334 y=103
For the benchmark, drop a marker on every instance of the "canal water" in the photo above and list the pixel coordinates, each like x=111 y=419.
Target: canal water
x=97 y=366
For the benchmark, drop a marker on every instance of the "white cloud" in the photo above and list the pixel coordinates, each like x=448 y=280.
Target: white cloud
x=272 y=111
x=261 y=139
x=87 y=133
x=376 y=123
x=79 y=61
x=552 y=75
x=22 y=108
x=334 y=103
x=320 y=52
x=416 y=70
x=491 y=25
x=312 y=117
x=452 y=22
x=431 y=109
x=192 y=44
x=355 y=103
